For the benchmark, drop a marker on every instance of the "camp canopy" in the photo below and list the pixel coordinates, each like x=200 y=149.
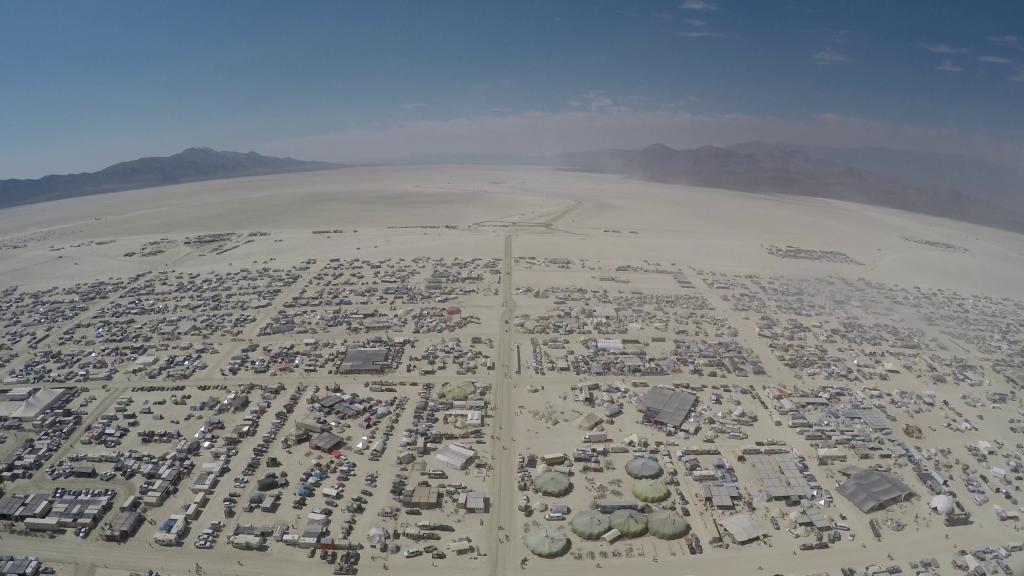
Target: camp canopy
x=552 y=483
x=941 y=503
x=667 y=525
x=458 y=391
x=547 y=542
x=630 y=522
x=642 y=467
x=650 y=490
x=590 y=524
x=376 y=535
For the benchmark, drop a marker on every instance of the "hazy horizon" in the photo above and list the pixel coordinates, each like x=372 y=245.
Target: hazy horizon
x=392 y=82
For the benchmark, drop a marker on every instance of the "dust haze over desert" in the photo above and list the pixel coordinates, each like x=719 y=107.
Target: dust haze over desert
x=657 y=327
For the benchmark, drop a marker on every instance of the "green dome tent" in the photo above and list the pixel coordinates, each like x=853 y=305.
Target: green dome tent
x=552 y=483
x=629 y=522
x=458 y=391
x=667 y=525
x=590 y=524
x=547 y=542
x=650 y=490
x=642 y=467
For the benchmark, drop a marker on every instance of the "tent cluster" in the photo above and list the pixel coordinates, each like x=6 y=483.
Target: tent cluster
x=592 y=525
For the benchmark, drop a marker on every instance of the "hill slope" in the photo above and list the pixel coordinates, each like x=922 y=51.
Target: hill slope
x=190 y=165
x=781 y=169
x=1000 y=183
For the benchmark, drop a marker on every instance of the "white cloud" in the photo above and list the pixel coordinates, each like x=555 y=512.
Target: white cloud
x=830 y=56
x=699 y=5
x=696 y=23
x=413 y=106
x=949 y=66
x=703 y=35
x=540 y=134
x=941 y=48
x=988 y=59
x=1018 y=76
x=838 y=35
x=595 y=102
x=1007 y=40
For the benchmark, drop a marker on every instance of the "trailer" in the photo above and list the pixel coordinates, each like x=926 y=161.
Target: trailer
x=248 y=541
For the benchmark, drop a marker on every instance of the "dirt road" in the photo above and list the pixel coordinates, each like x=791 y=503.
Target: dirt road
x=502 y=490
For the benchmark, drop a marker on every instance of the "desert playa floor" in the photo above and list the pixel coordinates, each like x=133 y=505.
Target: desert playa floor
x=513 y=212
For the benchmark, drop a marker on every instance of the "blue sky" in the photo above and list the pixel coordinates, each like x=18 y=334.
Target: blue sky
x=88 y=83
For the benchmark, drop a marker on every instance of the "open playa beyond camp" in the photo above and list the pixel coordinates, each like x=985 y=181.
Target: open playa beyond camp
x=503 y=369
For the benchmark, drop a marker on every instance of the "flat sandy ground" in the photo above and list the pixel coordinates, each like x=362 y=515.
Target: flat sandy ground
x=697 y=227
x=492 y=212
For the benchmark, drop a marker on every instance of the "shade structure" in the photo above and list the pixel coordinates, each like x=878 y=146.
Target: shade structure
x=874 y=490
x=547 y=542
x=642 y=467
x=667 y=525
x=650 y=490
x=458 y=390
x=590 y=524
x=552 y=483
x=629 y=522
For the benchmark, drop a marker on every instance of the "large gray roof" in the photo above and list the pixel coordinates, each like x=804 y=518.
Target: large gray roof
x=667 y=406
x=872 y=490
x=781 y=476
x=365 y=359
x=744 y=527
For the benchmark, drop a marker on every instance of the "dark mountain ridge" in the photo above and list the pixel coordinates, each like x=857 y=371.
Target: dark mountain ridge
x=190 y=165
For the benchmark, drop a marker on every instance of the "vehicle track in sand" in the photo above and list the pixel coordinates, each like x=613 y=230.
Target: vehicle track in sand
x=502 y=491
x=543 y=222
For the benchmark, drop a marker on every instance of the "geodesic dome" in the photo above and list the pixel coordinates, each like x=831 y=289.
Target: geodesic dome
x=590 y=524
x=629 y=522
x=642 y=467
x=650 y=490
x=547 y=542
x=552 y=483
x=667 y=525
x=941 y=503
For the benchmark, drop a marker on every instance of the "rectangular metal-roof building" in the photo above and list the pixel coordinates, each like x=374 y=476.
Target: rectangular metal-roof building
x=872 y=490
x=667 y=407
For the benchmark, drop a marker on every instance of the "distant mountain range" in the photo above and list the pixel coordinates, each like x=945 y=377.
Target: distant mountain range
x=190 y=165
x=954 y=187
x=950 y=186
